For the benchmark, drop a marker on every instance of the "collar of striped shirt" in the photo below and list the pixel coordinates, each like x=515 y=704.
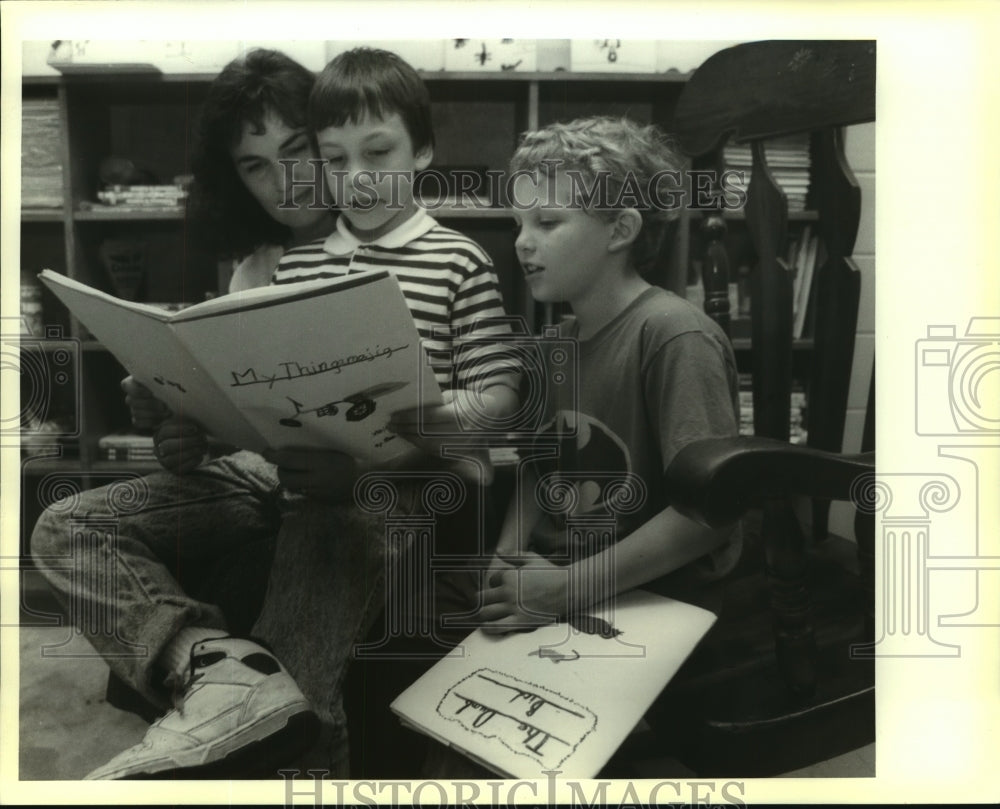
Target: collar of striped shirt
x=342 y=241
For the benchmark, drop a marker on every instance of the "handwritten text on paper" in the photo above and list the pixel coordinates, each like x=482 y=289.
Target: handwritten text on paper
x=523 y=717
x=291 y=370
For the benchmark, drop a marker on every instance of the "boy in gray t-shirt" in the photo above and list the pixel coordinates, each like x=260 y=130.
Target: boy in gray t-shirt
x=655 y=373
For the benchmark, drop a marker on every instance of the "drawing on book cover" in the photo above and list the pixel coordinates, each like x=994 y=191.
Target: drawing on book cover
x=526 y=718
x=584 y=624
x=362 y=404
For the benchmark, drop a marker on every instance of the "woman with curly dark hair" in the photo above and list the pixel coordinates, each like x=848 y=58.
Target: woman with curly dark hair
x=249 y=202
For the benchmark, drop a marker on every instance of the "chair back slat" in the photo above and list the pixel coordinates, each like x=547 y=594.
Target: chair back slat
x=780 y=87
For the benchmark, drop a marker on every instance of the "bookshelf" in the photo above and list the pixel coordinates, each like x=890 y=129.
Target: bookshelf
x=148 y=117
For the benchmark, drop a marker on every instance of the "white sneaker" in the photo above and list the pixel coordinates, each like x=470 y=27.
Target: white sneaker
x=238 y=709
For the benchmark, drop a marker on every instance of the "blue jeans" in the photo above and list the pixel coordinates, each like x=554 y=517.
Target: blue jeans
x=116 y=559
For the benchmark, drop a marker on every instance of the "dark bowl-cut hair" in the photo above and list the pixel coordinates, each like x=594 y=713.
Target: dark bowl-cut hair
x=375 y=82
x=225 y=217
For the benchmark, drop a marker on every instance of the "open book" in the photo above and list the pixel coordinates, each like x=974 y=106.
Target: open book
x=314 y=364
x=560 y=698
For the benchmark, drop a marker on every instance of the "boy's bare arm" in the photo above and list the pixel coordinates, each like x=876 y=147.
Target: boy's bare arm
x=661 y=545
x=497 y=400
x=523 y=514
x=538 y=589
x=465 y=415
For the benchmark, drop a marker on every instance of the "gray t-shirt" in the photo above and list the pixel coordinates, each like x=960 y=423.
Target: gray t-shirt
x=660 y=375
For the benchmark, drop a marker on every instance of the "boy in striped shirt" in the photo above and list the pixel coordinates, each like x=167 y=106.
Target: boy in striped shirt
x=370 y=112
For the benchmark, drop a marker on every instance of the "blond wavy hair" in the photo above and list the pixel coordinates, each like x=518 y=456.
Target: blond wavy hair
x=621 y=164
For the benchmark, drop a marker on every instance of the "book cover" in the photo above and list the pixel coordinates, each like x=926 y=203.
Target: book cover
x=561 y=697
x=314 y=364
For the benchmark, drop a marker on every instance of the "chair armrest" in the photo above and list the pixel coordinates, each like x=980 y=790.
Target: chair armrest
x=716 y=480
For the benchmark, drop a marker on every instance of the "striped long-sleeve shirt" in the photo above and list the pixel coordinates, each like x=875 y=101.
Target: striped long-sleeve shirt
x=448 y=283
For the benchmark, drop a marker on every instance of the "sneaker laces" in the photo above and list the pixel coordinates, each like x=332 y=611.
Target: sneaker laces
x=180 y=683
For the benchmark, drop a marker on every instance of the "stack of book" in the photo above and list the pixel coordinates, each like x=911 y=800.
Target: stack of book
x=797 y=422
x=143 y=196
x=797 y=415
x=746 y=409
x=126 y=447
x=41 y=164
x=789 y=162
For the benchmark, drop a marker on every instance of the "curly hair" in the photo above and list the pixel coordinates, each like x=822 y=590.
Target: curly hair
x=372 y=81
x=225 y=217
x=614 y=164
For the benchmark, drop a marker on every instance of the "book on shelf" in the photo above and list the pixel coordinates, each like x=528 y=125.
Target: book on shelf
x=745 y=382
x=810 y=296
x=143 y=196
x=312 y=364
x=41 y=164
x=797 y=431
x=562 y=697
x=797 y=247
x=788 y=160
x=796 y=410
x=803 y=255
x=126 y=446
x=804 y=272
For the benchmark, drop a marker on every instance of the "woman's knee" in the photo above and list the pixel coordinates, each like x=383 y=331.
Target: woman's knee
x=52 y=536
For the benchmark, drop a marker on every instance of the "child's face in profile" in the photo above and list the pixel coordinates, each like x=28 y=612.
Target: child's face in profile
x=369 y=169
x=562 y=248
x=256 y=155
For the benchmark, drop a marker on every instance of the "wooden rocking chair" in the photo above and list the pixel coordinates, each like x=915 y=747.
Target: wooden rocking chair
x=782 y=680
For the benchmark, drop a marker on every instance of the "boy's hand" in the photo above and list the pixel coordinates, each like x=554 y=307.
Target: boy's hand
x=180 y=445
x=498 y=565
x=464 y=417
x=317 y=473
x=429 y=428
x=530 y=594
x=147 y=411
